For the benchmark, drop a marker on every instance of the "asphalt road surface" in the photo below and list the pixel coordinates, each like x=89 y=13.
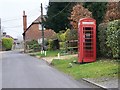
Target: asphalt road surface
x=23 y=71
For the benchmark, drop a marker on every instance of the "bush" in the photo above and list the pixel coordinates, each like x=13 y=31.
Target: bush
x=51 y=45
x=7 y=43
x=33 y=45
x=104 y=50
x=71 y=35
x=109 y=37
x=62 y=45
x=62 y=37
x=113 y=37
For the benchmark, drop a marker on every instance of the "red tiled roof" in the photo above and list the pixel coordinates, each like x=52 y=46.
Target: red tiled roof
x=49 y=33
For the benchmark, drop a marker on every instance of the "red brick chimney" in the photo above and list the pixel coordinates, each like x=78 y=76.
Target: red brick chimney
x=24 y=21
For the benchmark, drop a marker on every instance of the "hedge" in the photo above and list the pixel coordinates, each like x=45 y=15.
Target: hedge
x=102 y=39
x=7 y=43
x=113 y=37
x=109 y=37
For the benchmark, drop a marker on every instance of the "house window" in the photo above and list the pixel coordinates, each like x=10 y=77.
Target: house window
x=40 y=27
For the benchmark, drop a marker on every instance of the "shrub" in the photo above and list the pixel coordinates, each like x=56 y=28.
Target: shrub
x=104 y=50
x=71 y=35
x=62 y=45
x=109 y=37
x=7 y=43
x=33 y=45
x=113 y=37
x=51 y=45
x=62 y=37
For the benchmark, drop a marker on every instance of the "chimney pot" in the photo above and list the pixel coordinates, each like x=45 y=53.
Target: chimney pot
x=23 y=13
x=24 y=21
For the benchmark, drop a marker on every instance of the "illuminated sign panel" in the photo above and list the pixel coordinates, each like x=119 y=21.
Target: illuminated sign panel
x=87 y=22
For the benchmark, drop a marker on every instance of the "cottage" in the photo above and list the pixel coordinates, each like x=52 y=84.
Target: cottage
x=34 y=31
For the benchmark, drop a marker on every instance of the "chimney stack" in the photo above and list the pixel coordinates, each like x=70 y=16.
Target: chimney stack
x=24 y=21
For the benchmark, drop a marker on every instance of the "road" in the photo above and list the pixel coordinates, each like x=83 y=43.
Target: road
x=23 y=71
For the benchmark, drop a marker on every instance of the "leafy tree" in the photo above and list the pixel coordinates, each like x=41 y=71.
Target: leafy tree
x=57 y=15
x=98 y=10
x=77 y=13
x=113 y=11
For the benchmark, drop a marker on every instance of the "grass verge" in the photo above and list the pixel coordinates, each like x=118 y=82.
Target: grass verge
x=51 y=53
x=100 y=68
x=48 y=53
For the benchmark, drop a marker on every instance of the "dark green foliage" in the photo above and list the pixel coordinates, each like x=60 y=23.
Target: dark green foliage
x=104 y=50
x=98 y=10
x=33 y=45
x=53 y=44
x=109 y=37
x=57 y=16
x=113 y=37
x=7 y=43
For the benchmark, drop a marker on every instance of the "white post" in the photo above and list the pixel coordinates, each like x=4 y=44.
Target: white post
x=45 y=53
x=58 y=55
x=41 y=51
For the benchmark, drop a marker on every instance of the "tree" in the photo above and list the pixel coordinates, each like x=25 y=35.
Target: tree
x=77 y=13
x=57 y=16
x=98 y=10
x=113 y=11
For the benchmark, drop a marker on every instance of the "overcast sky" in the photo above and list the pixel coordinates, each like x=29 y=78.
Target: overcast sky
x=11 y=13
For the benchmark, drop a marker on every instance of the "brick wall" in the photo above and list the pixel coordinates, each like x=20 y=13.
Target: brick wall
x=33 y=33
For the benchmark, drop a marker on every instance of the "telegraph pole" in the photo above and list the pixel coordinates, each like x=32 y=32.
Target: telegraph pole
x=42 y=27
x=0 y=36
x=0 y=30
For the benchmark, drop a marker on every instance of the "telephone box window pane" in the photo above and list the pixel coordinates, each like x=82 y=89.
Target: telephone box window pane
x=88 y=28
x=88 y=31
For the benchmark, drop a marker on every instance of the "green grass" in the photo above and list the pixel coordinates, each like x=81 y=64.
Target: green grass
x=52 y=53
x=49 y=53
x=100 y=68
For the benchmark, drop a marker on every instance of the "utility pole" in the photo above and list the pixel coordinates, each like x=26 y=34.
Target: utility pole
x=42 y=27
x=0 y=36
x=0 y=30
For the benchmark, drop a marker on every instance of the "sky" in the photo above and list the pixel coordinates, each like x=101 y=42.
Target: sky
x=11 y=14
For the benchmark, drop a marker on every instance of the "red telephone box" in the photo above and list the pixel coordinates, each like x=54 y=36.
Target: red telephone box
x=86 y=40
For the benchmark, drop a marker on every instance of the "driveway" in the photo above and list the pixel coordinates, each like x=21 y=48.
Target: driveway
x=23 y=71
